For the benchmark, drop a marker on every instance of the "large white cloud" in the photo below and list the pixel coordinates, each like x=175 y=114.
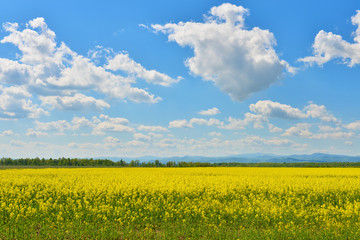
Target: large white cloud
x=328 y=46
x=64 y=79
x=239 y=61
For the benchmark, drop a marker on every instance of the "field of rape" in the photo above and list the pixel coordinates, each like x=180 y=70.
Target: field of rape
x=180 y=203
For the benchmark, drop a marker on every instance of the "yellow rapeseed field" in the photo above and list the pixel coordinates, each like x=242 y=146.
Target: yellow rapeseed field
x=120 y=203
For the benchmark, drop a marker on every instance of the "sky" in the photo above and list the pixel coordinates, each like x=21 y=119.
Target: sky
x=175 y=78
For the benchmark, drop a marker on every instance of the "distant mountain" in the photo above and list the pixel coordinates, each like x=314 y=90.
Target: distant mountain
x=247 y=158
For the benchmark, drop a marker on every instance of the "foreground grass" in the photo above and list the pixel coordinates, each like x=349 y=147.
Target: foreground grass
x=180 y=203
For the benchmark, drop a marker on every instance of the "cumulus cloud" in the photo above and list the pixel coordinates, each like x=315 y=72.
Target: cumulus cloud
x=198 y=121
x=179 y=124
x=215 y=134
x=277 y=110
x=15 y=103
x=207 y=122
x=32 y=133
x=300 y=129
x=77 y=102
x=156 y=135
x=328 y=46
x=141 y=137
x=239 y=124
x=111 y=140
x=17 y=143
x=238 y=60
x=58 y=126
x=210 y=112
x=110 y=124
x=152 y=128
x=270 y=109
x=323 y=128
x=266 y=141
x=6 y=133
x=78 y=122
x=123 y=62
x=319 y=111
x=353 y=126
x=60 y=77
x=273 y=128
x=303 y=130
x=260 y=116
x=98 y=125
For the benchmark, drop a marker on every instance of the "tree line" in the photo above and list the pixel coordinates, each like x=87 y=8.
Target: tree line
x=85 y=162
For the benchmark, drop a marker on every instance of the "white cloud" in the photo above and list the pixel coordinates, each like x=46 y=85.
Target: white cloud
x=137 y=143
x=17 y=143
x=114 y=120
x=88 y=146
x=13 y=72
x=99 y=126
x=78 y=102
x=60 y=77
x=166 y=143
x=78 y=122
x=32 y=133
x=215 y=134
x=353 y=126
x=302 y=130
x=198 y=121
x=319 y=111
x=210 y=112
x=239 y=61
x=333 y=135
x=208 y=122
x=270 y=109
x=273 y=128
x=141 y=137
x=276 y=110
x=123 y=62
x=59 y=125
x=152 y=128
x=179 y=124
x=7 y=133
x=155 y=135
x=15 y=103
x=111 y=140
x=257 y=140
x=328 y=128
x=328 y=46
x=239 y=124
x=110 y=124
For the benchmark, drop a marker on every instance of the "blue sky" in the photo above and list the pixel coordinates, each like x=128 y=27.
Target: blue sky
x=174 y=78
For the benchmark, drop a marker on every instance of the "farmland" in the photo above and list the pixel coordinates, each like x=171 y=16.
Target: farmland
x=180 y=203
